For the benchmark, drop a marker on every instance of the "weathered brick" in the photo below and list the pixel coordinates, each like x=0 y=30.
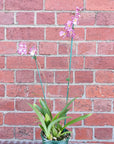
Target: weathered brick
x=24 y=5
x=22 y=104
x=103 y=133
x=6 y=76
x=83 y=76
x=7 y=18
x=6 y=132
x=6 y=105
x=19 y=62
x=104 y=76
x=83 y=133
x=8 y=47
x=88 y=48
x=53 y=34
x=102 y=105
x=57 y=63
x=77 y=62
x=25 y=76
x=100 y=120
x=46 y=77
x=64 y=48
x=1 y=33
x=25 y=33
x=25 y=18
x=1 y=4
x=61 y=91
x=107 y=5
x=1 y=118
x=2 y=62
x=100 y=91
x=105 y=18
x=61 y=76
x=24 y=133
x=2 y=90
x=24 y=91
x=106 y=48
x=63 y=5
x=100 y=34
x=45 y=18
x=20 y=119
x=82 y=105
x=99 y=62
x=48 y=48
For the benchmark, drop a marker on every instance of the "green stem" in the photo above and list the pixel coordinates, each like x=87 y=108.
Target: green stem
x=40 y=78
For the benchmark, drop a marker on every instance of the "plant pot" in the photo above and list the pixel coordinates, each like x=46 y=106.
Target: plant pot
x=46 y=141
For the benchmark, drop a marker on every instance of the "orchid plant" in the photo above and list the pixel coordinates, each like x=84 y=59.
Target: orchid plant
x=51 y=126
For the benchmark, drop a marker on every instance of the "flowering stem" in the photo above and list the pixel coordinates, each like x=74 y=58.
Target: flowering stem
x=40 y=78
x=69 y=72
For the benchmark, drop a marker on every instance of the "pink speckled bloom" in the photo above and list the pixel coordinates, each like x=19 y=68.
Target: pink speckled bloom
x=33 y=51
x=22 y=50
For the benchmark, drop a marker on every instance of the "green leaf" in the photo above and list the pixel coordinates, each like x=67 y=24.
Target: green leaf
x=45 y=108
x=65 y=133
x=40 y=109
x=76 y=120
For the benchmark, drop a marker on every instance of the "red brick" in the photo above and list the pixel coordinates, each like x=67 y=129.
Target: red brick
x=60 y=104
x=57 y=63
x=8 y=47
x=82 y=105
x=53 y=34
x=83 y=133
x=1 y=118
x=61 y=76
x=22 y=104
x=106 y=48
x=24 y=5
x=61 y=91
x=105 y=18
x=100 y=91
x=20 y=119
x=64 y=48
x=45 y=18
x=7 y=18
x=2 y=62
x=37 y=133
x=2 y=90
x=99 y=63
x=1 y=33
x=46 y=77
x=25 y=18
x=100 y=34
x=88 y=48
x=107 y=5
x=24 y=133
x=63 y=5
x=25 y=76
x=83 y=76
x=6 y=132
x=6 y=76
x=104 y=76
x=101 y=119
x=77 y=62
x=102 y=105
x=103 y=133
x=48 y=48
x=23 y=62
x=24 y=91
x=1 y=4
x=6 y=105
x=25 y=33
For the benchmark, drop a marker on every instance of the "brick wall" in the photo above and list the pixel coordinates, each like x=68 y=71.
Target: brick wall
x=38 y=22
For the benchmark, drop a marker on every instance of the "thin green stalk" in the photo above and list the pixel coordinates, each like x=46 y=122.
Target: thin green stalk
x=40 y=78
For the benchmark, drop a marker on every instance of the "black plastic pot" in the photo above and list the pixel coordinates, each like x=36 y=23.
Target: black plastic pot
x=46 y=141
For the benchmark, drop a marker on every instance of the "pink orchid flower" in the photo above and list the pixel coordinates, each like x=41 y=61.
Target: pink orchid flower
x=22 y=50
x=33 y=51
